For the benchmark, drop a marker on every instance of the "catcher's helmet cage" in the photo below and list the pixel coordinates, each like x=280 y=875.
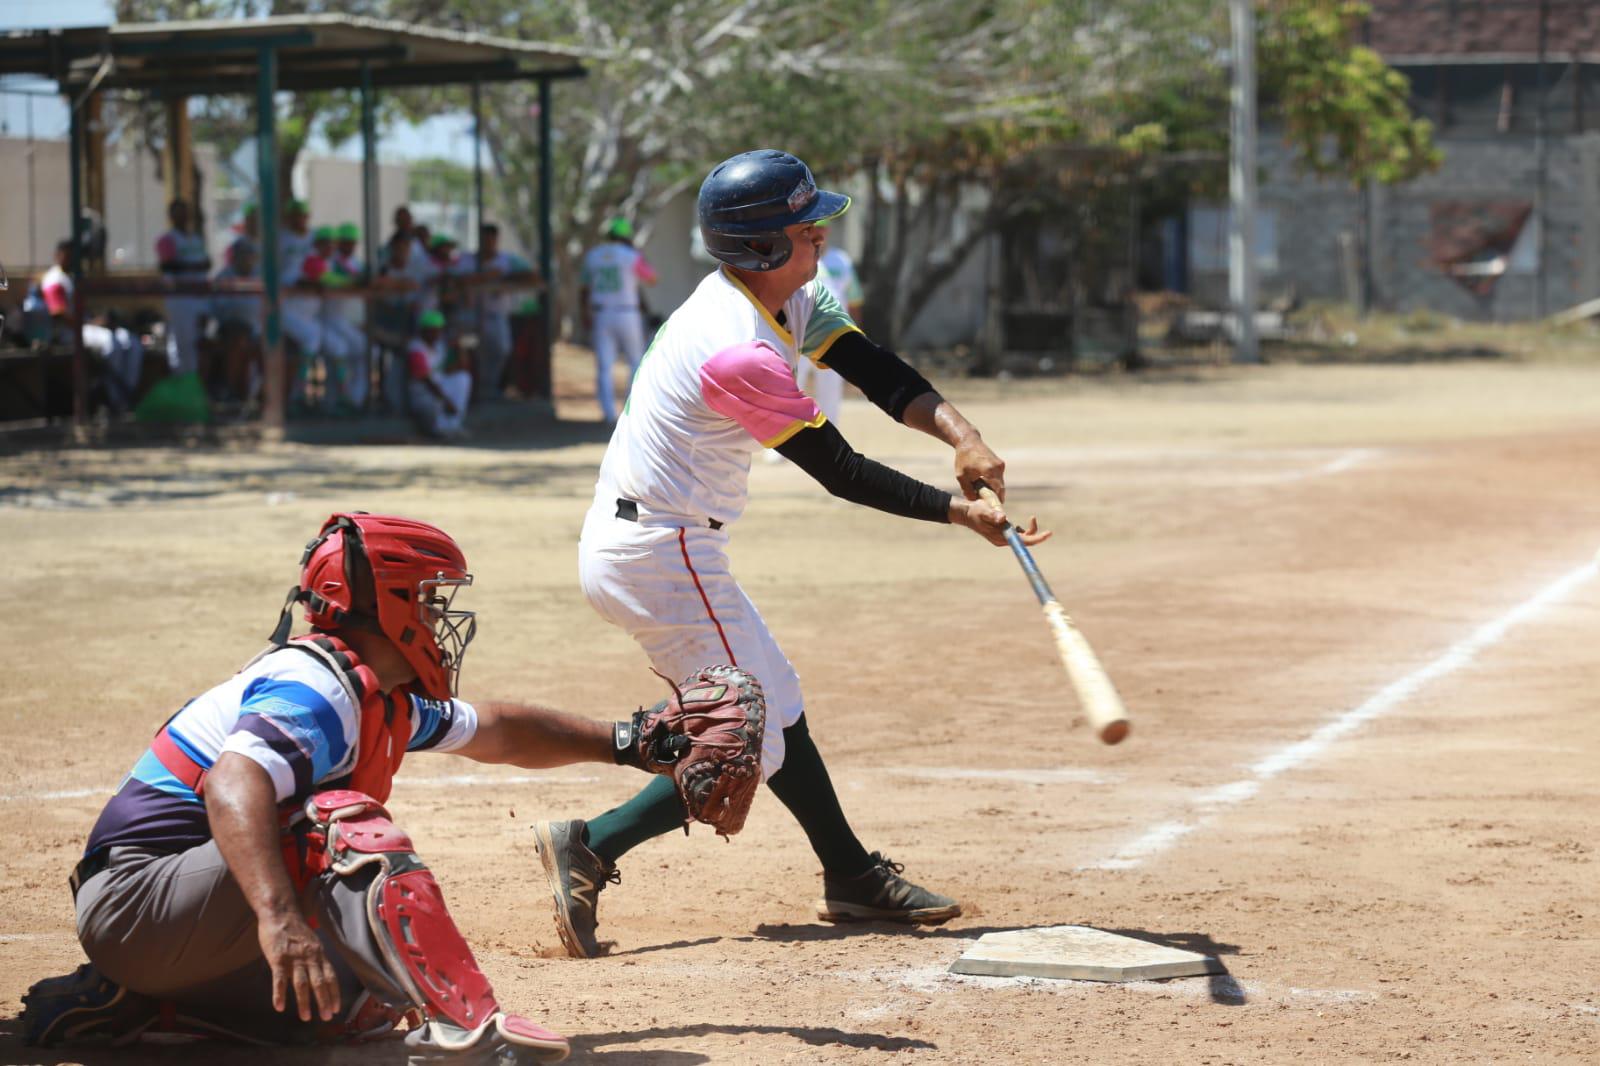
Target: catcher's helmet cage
x=746 y=201
x=416 y=570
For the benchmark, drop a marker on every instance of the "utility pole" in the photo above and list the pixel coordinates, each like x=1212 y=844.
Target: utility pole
x=1242 y=185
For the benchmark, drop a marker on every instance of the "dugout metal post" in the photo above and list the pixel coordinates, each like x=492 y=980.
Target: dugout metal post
x=273 y=390
x=369 y=210
x=80 y=369
x=1541 y=188
x=546 y=251
x=477 y=170
x=1242 y=185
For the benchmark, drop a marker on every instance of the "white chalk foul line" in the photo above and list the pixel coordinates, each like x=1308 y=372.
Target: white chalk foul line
x=1159 y=838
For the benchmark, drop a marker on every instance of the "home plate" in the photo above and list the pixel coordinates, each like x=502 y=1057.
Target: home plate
x=1079 y=953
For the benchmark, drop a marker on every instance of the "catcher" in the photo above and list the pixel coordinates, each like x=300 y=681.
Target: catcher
x=246 y=881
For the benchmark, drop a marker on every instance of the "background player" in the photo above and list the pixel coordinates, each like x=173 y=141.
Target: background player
x=836 y=271
x=190 y=893
x=715 y=387
x=611 y=276
x=181 y=252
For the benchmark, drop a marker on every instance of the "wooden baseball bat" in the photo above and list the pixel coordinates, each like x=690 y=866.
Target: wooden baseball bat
x=1096 y=694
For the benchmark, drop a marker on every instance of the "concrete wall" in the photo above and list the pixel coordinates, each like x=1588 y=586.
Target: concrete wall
x=1312 y=214
x=331 y=188
x=136 y=209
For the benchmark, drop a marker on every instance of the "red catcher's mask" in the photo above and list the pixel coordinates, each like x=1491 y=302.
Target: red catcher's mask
x=416 y=570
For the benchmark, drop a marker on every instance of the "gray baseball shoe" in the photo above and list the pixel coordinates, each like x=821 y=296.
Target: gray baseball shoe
x=576 y=876
x=881 y=894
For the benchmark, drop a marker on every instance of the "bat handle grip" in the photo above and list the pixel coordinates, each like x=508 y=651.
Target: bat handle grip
x=986 y=494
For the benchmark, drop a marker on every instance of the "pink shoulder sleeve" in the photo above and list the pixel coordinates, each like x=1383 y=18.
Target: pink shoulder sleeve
x=166 y=248
x=753 y=385
x=643 y=270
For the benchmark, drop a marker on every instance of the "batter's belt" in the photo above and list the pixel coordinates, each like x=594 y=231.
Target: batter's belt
x=628 y=510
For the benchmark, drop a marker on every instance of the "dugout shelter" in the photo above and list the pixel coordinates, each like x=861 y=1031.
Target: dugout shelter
x=262 y=57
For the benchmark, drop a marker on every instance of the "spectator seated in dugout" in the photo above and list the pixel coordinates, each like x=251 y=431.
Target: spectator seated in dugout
x=439 y=381
x=236 y=312
x=394 y=313
x=49 y=314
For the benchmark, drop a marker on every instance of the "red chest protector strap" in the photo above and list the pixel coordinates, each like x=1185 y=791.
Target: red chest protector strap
x=385 y=726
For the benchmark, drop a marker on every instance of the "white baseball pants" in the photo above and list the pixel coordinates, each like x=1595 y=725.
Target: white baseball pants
x=183 y=332
x=457 y=385
x=615 y=329
x=301 y=320
x=670 y=589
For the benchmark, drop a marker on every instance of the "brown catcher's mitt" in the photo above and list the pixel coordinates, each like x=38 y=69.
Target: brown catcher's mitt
x=708 y=737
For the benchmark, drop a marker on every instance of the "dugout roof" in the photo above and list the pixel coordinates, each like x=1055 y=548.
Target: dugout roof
x=313 y=52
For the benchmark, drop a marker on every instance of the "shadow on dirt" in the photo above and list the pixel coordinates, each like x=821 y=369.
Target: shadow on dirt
x=68 y=486
x=799 y=934
x=816 y=1036
x=1222 y=986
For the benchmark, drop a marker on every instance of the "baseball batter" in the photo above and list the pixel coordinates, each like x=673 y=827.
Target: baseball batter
x=714 y=388
x=611 y=276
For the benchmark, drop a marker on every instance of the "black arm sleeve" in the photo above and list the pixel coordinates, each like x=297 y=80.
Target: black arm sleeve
x=885 y=378
x=823 y=453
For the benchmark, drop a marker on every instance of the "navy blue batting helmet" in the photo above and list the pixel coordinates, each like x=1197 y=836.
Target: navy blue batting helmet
x=745 y=203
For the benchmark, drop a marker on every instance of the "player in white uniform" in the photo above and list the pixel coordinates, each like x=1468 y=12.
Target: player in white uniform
x=611 y=276
x=837 y=273
x=300 y=309
x=714 y=388
x=183 y=259
x=488 y=309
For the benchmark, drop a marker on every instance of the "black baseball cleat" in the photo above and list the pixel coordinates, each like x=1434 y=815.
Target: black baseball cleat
x=576 y=876
x=84 y=1006
x=881 y=894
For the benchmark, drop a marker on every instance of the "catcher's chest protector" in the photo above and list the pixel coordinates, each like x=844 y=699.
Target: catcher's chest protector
x=385 y=720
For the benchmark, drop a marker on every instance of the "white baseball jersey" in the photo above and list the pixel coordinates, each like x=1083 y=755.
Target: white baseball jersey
x=503 y=263
x=612 y=272
x=714 y=387
x=186 y=250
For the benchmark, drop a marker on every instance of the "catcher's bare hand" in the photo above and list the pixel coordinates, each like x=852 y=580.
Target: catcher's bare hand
x=298 y=961
x=976 y=462
x=989 y=522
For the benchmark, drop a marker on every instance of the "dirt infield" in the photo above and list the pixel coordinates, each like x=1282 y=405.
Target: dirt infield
x=1352 y=609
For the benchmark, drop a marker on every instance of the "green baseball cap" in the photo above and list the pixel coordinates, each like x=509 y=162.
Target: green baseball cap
x=322 y=233
x=620 y=227
x=348 y=231
x=441 y=239
x=430 y=320
x=298 y=207
x=249 y=209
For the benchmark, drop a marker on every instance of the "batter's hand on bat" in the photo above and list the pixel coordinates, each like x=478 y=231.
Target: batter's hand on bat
x=975 y=463
x=989 y=522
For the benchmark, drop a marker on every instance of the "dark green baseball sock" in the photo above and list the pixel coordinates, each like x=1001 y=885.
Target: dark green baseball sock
x=655 y=810
x=803 y=786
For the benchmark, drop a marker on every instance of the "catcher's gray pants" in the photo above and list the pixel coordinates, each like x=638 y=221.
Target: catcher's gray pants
x=177 y=927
